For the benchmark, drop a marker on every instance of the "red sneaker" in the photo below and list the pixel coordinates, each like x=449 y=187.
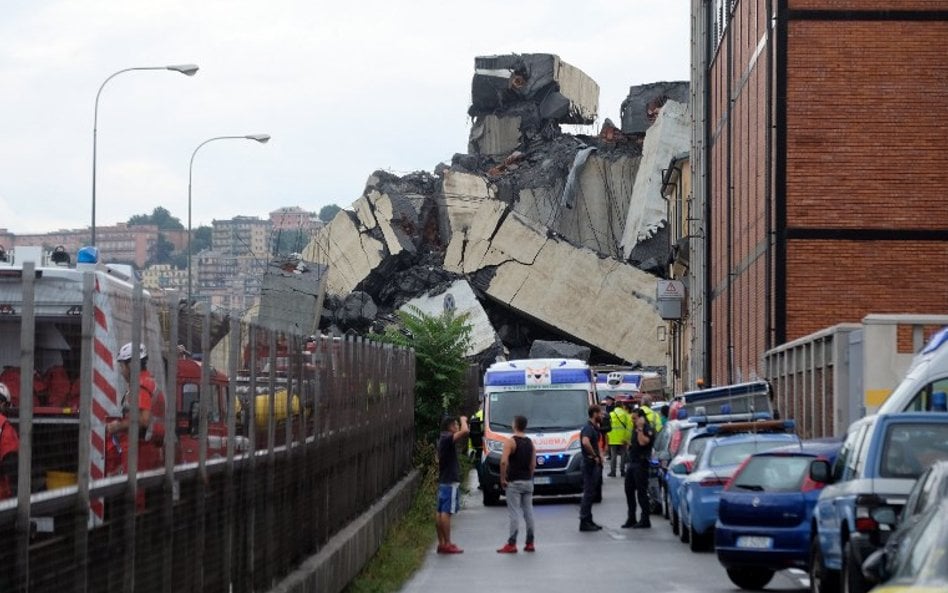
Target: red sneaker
x=452 y=549
x=529 y=548
x=441 y=549
x=508 y=549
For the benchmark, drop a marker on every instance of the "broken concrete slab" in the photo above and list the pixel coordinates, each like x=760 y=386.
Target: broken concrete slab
x=462 y=195
x=350 y=254
x=640 y=108
x=519 y=265
x=669 y=136
x=562 y=92
x=357 y=311
x=459 y=297
x=495 y=135
x=551 y=349
x=595 y=213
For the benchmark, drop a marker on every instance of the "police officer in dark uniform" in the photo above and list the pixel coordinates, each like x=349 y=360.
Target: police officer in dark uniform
x=636 y=474
x=592 y=468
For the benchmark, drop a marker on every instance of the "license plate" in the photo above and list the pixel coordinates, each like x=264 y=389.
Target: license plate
x=754 y=542
x=542 y=480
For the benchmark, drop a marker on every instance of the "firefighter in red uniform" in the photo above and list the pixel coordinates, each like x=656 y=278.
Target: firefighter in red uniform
x=149 y=454
x=9 y=447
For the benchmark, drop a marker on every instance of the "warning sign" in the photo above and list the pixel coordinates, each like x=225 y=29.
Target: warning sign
x=670 y=290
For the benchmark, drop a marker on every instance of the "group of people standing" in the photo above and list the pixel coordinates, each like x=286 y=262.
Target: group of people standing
x=518 y=462
x=630 y=436
x=630 y=433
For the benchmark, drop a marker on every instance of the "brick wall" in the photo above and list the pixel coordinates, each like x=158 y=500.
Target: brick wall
x=830 y=282
x=865 y=150
x=866 y=124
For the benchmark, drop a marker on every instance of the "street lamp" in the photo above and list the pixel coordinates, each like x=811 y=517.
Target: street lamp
x=262 y=139
x=186 y=69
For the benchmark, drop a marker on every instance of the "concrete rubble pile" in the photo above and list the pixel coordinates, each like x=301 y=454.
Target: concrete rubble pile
x=534 y=233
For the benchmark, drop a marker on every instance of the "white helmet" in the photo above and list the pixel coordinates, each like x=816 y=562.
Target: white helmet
x=125 y=354
x=5 y=393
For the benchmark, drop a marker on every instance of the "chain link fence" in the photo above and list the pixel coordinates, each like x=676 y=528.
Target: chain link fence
x=213 y=473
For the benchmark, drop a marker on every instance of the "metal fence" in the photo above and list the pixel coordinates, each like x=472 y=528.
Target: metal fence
x=259 y=463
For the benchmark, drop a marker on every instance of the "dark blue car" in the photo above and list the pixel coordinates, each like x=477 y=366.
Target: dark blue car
x=765 y=513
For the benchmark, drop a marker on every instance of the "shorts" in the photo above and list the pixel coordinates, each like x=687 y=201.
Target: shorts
x=449 y=498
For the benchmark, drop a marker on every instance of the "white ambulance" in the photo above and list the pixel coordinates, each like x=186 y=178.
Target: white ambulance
x=554 y=394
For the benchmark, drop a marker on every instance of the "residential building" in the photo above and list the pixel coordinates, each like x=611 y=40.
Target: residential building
x=241 y=236
x=683 y=233
x=819 y=169
x=164 y=277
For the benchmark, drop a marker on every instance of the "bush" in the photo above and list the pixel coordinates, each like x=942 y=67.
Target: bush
x=440 y=344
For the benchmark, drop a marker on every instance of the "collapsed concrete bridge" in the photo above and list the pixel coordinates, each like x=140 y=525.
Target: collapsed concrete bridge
x=540 y=233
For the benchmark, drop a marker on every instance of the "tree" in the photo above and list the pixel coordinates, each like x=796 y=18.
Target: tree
x=159 y=217
x=327 y=213
x=440 y=344
x=161 y=252
x=201 y=239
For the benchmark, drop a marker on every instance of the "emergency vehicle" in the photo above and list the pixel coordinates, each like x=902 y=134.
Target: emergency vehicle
x=58 y=297
x=554 y=394
x=642 y=386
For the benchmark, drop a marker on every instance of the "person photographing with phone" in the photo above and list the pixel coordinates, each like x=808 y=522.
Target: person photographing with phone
x=449 y=480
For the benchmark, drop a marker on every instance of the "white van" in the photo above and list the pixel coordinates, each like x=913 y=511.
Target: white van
x=924 y=387
x=554 y=394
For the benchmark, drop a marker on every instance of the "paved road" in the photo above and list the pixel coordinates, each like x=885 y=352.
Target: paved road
x=567 y=560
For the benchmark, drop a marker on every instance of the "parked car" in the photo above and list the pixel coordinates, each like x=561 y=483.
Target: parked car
x=765 y=512
x=921 y=564
x=720 y=458
x=882 y=457
x=667 y=445
x=929 y=490
x=693 y=441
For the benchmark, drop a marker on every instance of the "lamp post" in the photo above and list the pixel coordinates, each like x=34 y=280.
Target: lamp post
x=186 y=69
x=262 y=139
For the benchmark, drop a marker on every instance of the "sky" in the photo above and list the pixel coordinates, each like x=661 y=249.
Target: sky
x=343 y=88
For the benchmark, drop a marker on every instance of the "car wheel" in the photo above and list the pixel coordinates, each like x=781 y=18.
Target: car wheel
x=674 y=522
x=852 y=580
x=699 y=541
x=752 y=579
x=667 y=507
x=822 y=580
x=684 y=532
x=491 y=499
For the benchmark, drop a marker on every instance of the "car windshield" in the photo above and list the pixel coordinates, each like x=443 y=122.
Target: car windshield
x=734 y=453
x=773 y=473
x=910 y=448
x=545 y=409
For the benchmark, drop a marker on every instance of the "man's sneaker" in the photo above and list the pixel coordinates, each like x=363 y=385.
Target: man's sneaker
x=508 y=549
x=529 y=548
x=642 y=525
x=450 y=549
x=589 y=526
x=596 y=525
x=611 y=474
x=628 y=524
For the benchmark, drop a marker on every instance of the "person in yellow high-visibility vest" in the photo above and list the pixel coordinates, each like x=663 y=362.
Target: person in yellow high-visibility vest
x=618 y=438
x=653 y=417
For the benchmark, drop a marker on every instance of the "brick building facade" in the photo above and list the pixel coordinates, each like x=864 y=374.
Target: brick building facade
x=821 y=167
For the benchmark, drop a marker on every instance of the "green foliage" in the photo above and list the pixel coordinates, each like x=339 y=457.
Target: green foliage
x=162 y=252
x=440 y=344
x=200 y=239
x=159 y=217
x=327 y=213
